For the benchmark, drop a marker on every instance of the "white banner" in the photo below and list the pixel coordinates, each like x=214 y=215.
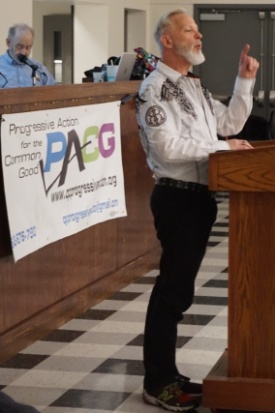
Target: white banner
x=62 y=172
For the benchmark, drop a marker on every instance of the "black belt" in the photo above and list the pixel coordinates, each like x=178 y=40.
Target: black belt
x=189 y=186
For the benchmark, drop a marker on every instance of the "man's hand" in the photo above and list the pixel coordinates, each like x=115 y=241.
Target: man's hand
x=237 y=144
x=248 y=66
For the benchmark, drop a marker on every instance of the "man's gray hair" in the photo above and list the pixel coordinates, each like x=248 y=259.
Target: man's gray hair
x=17 y=28
x=164 y=25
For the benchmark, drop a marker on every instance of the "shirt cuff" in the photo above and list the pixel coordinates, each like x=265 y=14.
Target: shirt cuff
x=244 y=86
x=223 y=146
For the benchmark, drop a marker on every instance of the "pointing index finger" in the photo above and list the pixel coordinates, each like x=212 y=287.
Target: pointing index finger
x=244 y=52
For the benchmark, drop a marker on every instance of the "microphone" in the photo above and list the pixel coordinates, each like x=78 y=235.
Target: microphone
x=22 y=58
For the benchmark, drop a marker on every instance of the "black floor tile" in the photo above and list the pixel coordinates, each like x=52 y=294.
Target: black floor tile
x=219 y=234
x=210 y=300
x=137 y=341
x=221 y=225
x=213 y=243
x=117 y=366
x=64 y=336
x=92 y=314
x=216 y=284
x=181 y=341
x=196 y=319
x=24 y=361
x=145 y=280
x=90 y=399
x=124 y=296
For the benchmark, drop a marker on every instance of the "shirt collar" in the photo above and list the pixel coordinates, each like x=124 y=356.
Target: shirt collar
x=172 y=74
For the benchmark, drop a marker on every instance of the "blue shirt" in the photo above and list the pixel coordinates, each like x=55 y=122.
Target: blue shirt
x=13 y=74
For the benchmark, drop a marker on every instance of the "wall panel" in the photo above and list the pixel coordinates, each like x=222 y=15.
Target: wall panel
x=48 y=287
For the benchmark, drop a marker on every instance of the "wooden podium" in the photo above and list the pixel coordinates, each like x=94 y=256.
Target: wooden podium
x=244 y=377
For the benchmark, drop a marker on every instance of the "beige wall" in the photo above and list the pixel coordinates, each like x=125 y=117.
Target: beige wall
x=90 y=38
x=13 y=11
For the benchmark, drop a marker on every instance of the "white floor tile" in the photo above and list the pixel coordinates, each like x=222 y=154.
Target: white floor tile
x=48 y=379
x=88 y=350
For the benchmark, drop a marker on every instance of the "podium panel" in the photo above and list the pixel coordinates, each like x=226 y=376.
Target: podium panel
x=244 y=377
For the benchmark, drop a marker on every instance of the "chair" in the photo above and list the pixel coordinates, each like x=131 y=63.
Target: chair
x=272 y=124
x=257 y=128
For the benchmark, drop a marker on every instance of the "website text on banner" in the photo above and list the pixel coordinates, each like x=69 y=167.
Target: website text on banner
x=62 y=172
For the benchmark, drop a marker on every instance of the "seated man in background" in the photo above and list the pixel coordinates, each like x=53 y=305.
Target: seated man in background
x=16 y=69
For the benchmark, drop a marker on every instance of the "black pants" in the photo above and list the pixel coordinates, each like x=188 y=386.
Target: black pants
x=183 y=221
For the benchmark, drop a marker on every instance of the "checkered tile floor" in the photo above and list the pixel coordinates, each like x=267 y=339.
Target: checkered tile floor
x=94 y=362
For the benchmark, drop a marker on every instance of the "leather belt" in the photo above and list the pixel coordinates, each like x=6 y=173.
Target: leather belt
x=189 y=186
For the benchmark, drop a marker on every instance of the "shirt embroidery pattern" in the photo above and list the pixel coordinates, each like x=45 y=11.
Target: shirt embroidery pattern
x=207 y=97
x=170 y=91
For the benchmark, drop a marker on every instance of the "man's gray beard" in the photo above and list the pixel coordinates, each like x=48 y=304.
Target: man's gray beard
x=194 y=58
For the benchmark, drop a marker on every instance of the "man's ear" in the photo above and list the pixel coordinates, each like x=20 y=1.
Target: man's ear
x=8 y=42
x=166 y=41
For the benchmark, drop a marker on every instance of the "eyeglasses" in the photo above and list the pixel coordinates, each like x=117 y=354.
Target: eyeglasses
x=5 y=80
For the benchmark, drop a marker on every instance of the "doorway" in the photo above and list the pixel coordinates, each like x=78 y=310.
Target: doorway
x=226 y=29
x=58 y=46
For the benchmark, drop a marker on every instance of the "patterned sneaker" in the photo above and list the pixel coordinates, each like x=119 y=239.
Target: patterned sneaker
x=194 y=389
x=171 y=397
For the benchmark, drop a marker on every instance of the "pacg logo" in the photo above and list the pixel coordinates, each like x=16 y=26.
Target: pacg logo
x=61 y=149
